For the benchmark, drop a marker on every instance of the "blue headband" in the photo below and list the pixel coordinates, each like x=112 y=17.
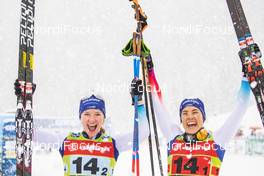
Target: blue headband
x=91 y=102
x=196 y=102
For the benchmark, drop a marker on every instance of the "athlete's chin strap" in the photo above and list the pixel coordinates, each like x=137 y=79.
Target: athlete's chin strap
x=200 y=135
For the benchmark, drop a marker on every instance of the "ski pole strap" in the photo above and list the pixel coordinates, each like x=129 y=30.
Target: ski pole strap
x=128 y=50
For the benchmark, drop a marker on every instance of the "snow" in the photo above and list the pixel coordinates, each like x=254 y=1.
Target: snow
x=251 y=118
x=242 y=165
x=47 y=164
x=78 y=50
x=234 y=164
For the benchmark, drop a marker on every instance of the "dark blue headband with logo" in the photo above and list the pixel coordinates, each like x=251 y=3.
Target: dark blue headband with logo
x=196 y=102
x=91 y=102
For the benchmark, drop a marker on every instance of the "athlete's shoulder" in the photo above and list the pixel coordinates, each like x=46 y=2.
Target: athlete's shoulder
x=74 y=135
x=178 y=137
x=210 y=135
x=106 y=137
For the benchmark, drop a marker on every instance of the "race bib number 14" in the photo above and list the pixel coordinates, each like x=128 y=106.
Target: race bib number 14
x=90 y=166
x=199 y=165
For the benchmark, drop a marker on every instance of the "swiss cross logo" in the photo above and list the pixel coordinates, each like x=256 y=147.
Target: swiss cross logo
x=73 y=147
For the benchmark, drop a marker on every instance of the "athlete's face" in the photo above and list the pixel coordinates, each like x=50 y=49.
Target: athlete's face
x=192 y=119
x=92 y=121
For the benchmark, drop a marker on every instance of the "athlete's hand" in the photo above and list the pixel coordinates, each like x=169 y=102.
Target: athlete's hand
x=136 y=89
x=18 y=87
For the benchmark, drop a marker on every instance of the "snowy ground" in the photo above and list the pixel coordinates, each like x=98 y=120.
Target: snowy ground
x=242 y=165
x=235 y=161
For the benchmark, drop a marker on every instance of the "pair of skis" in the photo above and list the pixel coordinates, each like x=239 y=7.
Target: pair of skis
x=137 y=48
x=249 y=54
x=24 y=115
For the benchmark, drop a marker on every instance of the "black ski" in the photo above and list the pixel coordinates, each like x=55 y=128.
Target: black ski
x=249 y=54
x=148 y=63
x=147 y=114
x=20 y=114
x=24 y=115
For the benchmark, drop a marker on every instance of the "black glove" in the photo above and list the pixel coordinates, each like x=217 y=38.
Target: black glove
x=244 y=54
x=149 y=62
x=18 y=88
x=255 y=48
x=136 y=89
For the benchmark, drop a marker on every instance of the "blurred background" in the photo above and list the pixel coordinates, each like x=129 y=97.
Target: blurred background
x=78 y=52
